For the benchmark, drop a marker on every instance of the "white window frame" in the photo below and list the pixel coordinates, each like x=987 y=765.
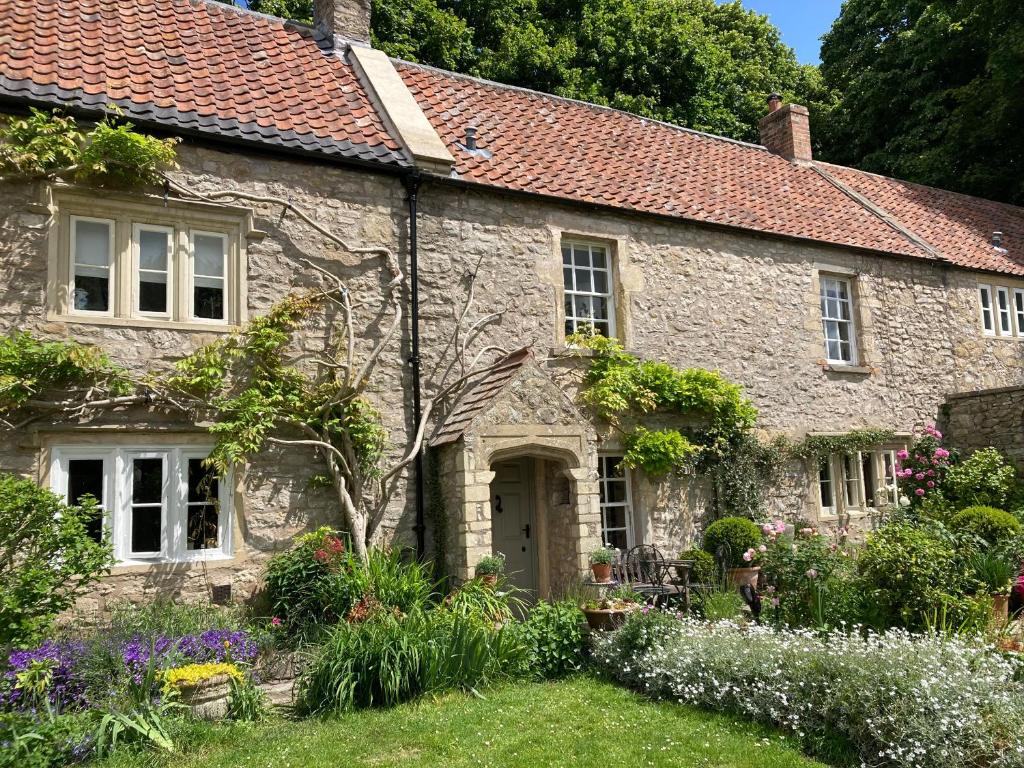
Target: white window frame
x=111 y=266
x=988 y=314
x=1004 y=311
x=883 y=463
x=609 y=295
x=826 y=318
x=117 y=464
x=137 y=229
x=627 y=505
x=1018 y=310
x=825 y=468
x=225 y=277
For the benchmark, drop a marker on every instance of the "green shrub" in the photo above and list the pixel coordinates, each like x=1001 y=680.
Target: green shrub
x=987 y=523
x=397 y=582
x=908 y=572
x=39 y=741
x=494 y=603
x=48 y=558
x=315 y=583
x=555 y=639
x=983 y=479
x=390 y=659
x=731 y=537
x=721 y=602
x=490 y=565
x=704 y=570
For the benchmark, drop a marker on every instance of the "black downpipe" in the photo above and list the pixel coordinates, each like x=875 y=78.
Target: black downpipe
x=412 y=185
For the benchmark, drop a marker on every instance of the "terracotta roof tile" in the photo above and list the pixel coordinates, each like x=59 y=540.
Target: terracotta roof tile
x=544 y=144
x=198 y=65
x=960 y=227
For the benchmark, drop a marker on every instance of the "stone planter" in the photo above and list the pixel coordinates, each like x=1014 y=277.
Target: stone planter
x=602 y=572
x=606 y=619
x=739 y=577
x=207 y=699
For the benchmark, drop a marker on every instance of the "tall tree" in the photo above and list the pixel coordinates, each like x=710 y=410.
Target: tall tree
x=930 y=92
x=698 y=63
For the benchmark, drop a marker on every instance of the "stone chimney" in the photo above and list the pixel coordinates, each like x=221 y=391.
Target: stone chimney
x=786 y=130
x=349 y=19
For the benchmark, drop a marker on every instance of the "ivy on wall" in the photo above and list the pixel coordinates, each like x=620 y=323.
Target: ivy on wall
x=819 y=446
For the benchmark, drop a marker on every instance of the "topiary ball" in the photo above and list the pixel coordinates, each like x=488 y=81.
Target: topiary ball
x=988 y=523
x=732 y=536
x=704 y=570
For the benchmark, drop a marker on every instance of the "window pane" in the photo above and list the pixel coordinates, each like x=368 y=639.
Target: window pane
x=825 y=485
x=208 y=254
x=600 y=305
x=152 y=292
x=615 y=517
x=147 y=481
x=153 y=250
x=583 y=307
x=583 y=280
x=146 y=522
x=85 y=478
x=203 y=530
x=602 y=328
x=600 y=282
x=566 y=254
x=581 y=256
x=202 y=481
x=208 y=302
x=870 y=481
x=617 y=539
x=92 y=243
x=616 y=491
x=598 y=255
x=567 y=279
x=615 y=512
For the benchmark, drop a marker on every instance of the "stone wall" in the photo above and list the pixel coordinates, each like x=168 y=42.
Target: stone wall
x=689 y=295
x=988 y=418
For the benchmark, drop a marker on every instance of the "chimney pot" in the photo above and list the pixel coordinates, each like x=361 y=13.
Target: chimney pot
x=997 y=239
x=348 y=19
x=786 y=130
x=471 y=138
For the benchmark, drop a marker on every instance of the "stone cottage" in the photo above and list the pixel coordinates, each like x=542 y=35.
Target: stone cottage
x=838 y=299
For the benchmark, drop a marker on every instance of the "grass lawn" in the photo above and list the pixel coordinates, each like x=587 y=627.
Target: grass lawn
x=581 y=722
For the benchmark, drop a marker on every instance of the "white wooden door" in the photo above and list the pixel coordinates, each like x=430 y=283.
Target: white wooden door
x=513 y=528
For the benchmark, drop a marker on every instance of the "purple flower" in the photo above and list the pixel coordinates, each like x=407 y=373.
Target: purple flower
x=65 y=690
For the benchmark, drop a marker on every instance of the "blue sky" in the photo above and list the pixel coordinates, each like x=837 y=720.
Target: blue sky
x=802 y=22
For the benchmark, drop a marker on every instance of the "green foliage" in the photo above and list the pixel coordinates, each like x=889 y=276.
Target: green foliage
x=741 y=470
x=48 y=145
x=247 y=702
x=906 y=572
x=34 y=741
x=984 y=478
x=145 y=725
x=658 y=451
x=30 y=369
x=490 y=565
x=721 y=602
x=991 y=525
x=811 y=583
x=387 y=659
x=698 y=63
x=171 y=618
x=47 y=558
x=929 y=91
x=704 y=570
x=497 y=604
x=730 y=537
x=854 y=441
x=602 y=556
x=555 y=639
x=993 y=571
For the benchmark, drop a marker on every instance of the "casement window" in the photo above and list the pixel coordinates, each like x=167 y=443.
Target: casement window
x=988 y=323
x=1005 y=324
x=856 y=483
x=587 y=282
x=136 y=262
x=836 y=297
x=158 y=503
x=616 y=503
x=1002 y=310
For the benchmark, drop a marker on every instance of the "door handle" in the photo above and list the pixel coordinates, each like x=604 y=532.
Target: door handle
x=526 y=530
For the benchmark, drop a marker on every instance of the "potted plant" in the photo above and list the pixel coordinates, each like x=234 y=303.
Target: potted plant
x=736 y=542
x=203 y=688
x=601 y=564
x=489 y=568
x=995 y=575
x=610 y=612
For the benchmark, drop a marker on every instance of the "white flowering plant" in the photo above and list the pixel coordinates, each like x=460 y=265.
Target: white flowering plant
x=892 y=699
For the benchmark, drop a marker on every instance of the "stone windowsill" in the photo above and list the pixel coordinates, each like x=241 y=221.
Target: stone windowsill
x=858 y=370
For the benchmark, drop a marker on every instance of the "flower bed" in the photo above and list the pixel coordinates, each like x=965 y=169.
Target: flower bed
x=893 y=699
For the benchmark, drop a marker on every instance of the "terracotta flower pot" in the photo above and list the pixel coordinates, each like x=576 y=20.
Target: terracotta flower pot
x=1000 y=610
x=740 y=576
x=602 y=572
x=208 y=699
x=490 y=579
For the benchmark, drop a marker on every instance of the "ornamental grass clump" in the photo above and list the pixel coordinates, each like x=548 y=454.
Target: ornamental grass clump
x=892 y=699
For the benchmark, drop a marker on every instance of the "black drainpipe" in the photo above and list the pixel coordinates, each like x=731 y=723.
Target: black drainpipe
x=412 y=185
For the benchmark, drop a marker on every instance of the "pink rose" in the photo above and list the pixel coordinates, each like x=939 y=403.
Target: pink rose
x=919 y=476
x=748 y=555
x=762 y=548
x=931 y=483
x=780 y=526
x=811 y=574
x=767 y=530
x=902 y=453
x=919 y=492
x=931 y=473
x=275 y=622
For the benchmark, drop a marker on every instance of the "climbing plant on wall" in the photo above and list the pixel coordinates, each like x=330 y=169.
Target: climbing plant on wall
x=258 y=385
x=719 y=441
